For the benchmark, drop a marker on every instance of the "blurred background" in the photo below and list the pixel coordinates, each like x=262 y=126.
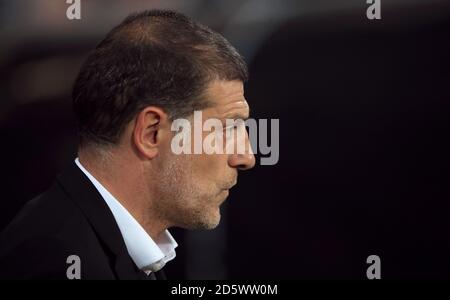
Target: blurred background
x=364 y=131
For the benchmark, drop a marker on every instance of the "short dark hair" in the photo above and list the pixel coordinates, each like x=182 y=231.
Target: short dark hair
x=156 y=57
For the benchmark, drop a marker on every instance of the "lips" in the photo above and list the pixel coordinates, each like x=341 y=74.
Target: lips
x=230 y=186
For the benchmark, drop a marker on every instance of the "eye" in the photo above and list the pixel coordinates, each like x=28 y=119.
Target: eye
x=232 y=128
x=235 y=126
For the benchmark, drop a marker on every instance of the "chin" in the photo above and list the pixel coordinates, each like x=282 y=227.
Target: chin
x=210 y=220
x=203 y=216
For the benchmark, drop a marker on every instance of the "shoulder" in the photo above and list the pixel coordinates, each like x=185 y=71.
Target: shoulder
x=45 y=233
x=49 y=214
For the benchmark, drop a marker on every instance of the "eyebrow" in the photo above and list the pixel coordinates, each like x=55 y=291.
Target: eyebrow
x=238 y=115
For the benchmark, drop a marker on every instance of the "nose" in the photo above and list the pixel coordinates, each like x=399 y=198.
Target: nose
x=242 y=161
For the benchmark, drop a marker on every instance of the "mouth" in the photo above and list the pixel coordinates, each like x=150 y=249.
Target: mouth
x=226 y=189
x=230 y=186
x=227 y=185
x=224 y=195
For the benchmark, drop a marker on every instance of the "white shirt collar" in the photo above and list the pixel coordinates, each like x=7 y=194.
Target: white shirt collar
x=146 y=254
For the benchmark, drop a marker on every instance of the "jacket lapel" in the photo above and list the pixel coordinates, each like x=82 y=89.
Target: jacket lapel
x=80 y=189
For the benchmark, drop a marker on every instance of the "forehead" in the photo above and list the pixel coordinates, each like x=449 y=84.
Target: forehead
x=227 y=99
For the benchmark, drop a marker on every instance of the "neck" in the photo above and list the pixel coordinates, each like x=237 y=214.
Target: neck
x=124 y=179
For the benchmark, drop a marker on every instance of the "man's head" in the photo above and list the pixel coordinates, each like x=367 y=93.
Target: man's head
x=153 y=68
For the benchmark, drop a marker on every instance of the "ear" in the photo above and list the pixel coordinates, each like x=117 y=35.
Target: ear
x=149 y=130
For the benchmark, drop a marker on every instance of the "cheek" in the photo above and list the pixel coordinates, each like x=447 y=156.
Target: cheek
x=206 y=175
x=212 y=166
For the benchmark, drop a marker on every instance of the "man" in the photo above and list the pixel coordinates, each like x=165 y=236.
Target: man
x=107 y=215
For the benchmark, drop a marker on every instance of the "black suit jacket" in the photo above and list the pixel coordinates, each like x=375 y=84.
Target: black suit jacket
x=71 y=218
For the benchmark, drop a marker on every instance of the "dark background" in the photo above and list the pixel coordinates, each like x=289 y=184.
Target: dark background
x=364 y=131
